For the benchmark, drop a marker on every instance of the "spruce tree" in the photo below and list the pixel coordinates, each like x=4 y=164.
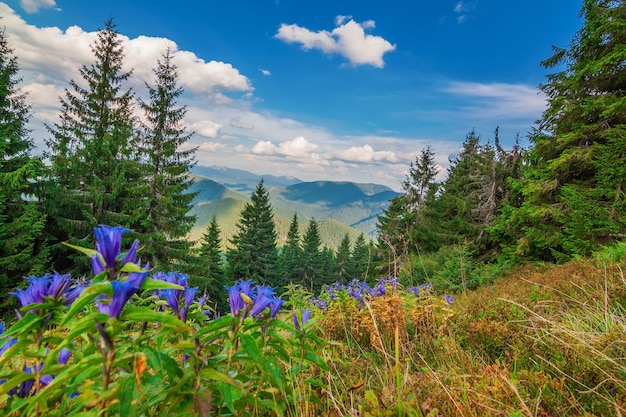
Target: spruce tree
x=21 y=221
x=291 y=255
x=312 y=261
x=210 y=271
x=362 y=258
x=95 y=175
x=344 y=266
x=574 y=185
x=167 y=221
x=253 y=254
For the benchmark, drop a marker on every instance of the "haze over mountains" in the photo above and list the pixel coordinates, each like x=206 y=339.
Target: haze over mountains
x=339 y=207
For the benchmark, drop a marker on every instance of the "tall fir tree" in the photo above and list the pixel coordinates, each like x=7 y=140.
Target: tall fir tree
x=167 y=221
x=362 y=255
x=312 y=260
x=209 y=265
x=410 y=223
x=344 y=265
x=253 y=254
x=574 y=185
x=95 y=174
x=291 y=255
x=21 y=221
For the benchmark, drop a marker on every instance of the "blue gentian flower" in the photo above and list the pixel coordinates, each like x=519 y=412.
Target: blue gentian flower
x=449 y=298
x=234 y=295
x=262 y=299
x=5 y=344
x=306 y=315
x=108 y=245
x=57 y=286
x=121 y=294
x=275 y=306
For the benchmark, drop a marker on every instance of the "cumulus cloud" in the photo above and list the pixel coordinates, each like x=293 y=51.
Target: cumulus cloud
x=55 y=55
x=206 y=128
x=348 y=39
x=366 y=154
x=33 y=6
x=297 y=148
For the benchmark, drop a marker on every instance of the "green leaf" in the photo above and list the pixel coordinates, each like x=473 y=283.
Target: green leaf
x=86 y=297
x=215 y=375
x=126 y=395
x=24 y=325
x=131 y=267
x=311 y=357
x=87 y=251
x=230 y=395
x=145 y=314
x=156 y=284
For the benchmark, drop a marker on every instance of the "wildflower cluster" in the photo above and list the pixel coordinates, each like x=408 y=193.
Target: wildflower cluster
x=359 y=290
x=245 y=300
x=134 y=334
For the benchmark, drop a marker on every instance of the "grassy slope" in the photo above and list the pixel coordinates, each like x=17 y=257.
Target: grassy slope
x=541 y=341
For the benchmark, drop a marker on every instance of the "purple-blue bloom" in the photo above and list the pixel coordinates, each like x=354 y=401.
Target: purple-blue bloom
x=56 y=286
x=121 y=294
x=136 y=278
x=449 y=298
x=234 y=295
x=64 y=356
x=262 y=300
x=108 y=245
x=190 y=294
x=275 y=306
x=5 y=344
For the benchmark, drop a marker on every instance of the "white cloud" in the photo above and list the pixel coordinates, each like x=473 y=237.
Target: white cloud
x=500 y=100
x=265 y=72
x=238 y=123
x=462 y=8
x=366 y=154
x=211 y=146
x=206 y=128
x=348 y=39
x=296 y=148
x=55 y=55
x=33 y=6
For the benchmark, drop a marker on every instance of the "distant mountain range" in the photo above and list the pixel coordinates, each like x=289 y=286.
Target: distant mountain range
x=339 y=207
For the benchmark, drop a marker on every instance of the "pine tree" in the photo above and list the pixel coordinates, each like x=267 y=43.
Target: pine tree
x=253 y=254
x=409 y=223
x=344 y=266
x=21 y=222
x=574 y=186
x=312 y=261
x=362 y=258
x=211 y=272
x=167 y=220
x=291 y=255
x=95 y=173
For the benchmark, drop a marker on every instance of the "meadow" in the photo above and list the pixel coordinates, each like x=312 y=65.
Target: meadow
x=543 y=340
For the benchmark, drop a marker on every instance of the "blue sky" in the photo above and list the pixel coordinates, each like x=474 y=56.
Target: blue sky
x=337 y=90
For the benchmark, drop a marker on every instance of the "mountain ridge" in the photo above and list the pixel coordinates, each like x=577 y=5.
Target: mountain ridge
x=339 y=207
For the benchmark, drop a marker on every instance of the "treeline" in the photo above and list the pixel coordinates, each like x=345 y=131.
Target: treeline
x=558 y=200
